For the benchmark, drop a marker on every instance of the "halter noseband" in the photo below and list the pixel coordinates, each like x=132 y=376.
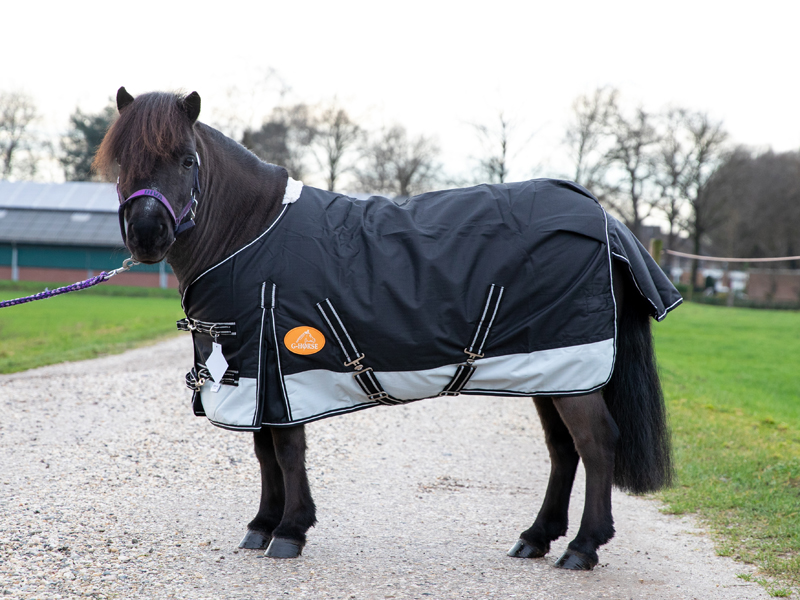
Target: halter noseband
x=189 y=209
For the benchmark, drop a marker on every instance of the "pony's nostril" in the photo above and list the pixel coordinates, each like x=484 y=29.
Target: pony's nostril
x=148 y=231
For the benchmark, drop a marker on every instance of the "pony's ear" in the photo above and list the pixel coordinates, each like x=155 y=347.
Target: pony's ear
x=191 y=106
x=123 y=98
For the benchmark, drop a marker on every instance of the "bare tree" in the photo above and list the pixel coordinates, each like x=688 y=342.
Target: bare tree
x=672 y=168
x=632 y=167
x=244 y=106
x=613 y=154
x=494 y=165
x=706 y=139
x=637 y=163
x=336 y=137
x=587 y=138
x=284 y=138
x=397 y=165
x=17 y=113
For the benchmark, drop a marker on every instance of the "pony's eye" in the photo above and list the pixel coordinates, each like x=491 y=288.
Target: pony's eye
x=188 y=162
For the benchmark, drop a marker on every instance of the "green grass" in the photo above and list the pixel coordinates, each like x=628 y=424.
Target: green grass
x=80 y=325
x=732 y=382
x=16 y=289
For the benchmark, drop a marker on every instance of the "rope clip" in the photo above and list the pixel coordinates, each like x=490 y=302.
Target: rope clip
x=127 y=264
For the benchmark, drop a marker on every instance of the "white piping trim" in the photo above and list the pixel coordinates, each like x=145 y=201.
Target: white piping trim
x=234 y=406
x=658 y=316
x=674 y=304
x=258 y=413
x=613 y=295
x=224 y=260
x=278 y=354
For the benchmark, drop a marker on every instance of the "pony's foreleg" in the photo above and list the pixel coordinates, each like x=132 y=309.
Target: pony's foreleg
x=595 y=436
x=270 y=509
x=299 y=512
x=551 y=522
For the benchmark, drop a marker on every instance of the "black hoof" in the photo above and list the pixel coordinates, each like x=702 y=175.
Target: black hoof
x=254 y=540
x=523 y=549
x=284 y=548
x=576 y=561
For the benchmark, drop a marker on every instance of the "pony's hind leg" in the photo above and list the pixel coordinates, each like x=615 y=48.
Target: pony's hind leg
x=551 y=522
x=299 y=512
x=595 y=436
x=270 y=508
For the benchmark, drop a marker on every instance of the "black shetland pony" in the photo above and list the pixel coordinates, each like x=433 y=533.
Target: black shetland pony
x=619 y=433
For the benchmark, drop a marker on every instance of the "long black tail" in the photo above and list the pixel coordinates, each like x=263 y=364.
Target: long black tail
x=635 y=400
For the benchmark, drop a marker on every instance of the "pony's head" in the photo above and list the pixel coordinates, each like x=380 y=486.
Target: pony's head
x=152 y=149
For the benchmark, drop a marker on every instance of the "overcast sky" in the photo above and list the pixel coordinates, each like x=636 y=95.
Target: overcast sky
x=432 y=66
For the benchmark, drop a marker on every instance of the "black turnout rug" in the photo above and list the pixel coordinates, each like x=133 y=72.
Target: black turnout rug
x=343 y=304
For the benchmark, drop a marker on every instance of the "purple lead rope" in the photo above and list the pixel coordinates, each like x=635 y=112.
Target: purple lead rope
x=80 y=285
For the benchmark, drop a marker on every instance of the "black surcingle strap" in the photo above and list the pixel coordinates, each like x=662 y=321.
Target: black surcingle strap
x=466 y=370
x=212 y=329
x=365 y=376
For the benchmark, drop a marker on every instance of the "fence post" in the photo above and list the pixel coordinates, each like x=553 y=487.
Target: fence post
x=730 y=299
x=162 y=275
x=656 y=246
x=14 y=263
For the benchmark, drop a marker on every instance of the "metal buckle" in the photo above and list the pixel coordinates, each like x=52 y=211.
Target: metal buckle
x=377 y=397
x=354 y=363
x=362 y=370
x=446 y=393
x=194 y=382
x=472 y=356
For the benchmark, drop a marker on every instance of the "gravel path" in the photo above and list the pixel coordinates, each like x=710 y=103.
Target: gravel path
x=109 y=488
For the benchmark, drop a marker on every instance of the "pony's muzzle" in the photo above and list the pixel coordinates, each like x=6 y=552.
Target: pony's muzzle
x=149 y=238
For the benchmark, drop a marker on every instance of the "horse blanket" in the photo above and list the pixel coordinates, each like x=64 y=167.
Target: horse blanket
x=343 y=304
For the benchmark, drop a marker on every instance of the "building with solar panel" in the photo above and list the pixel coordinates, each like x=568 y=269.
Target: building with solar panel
x=66 y=232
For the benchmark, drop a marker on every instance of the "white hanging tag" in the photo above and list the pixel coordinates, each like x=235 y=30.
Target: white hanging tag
x=216 y=363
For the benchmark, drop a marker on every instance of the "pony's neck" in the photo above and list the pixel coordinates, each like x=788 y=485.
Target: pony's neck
x=240 y=197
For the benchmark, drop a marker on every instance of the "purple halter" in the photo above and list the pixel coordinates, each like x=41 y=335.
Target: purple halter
x=188 y=209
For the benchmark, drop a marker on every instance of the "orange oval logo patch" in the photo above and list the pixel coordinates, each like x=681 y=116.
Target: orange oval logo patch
x=304 y=340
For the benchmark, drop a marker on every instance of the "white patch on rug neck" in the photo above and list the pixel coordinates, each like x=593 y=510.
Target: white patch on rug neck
x=293 y=189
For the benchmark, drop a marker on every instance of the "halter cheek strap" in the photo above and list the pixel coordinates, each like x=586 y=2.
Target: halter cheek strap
x=189 y=209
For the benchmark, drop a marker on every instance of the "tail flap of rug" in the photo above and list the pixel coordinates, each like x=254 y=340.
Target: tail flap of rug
x=651 y=281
